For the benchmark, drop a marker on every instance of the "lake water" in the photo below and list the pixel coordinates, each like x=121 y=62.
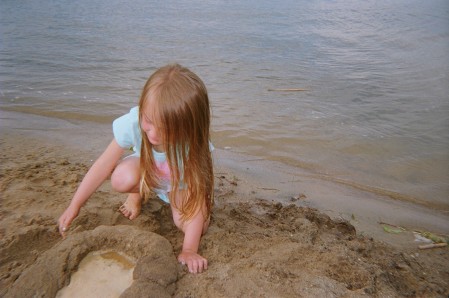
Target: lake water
x=375 y=114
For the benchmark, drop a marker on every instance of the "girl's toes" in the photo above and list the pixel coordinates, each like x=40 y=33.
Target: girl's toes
x=133 y=215
x=124 y=211
x=127 y=213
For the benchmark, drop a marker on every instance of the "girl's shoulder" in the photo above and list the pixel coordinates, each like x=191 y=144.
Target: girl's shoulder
x=132 y=115
x=126 y=129
x=134 y=112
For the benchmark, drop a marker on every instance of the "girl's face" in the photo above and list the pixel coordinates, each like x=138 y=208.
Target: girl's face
x=150 y=126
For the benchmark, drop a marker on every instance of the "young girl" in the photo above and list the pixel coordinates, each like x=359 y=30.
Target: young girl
x=169 y=134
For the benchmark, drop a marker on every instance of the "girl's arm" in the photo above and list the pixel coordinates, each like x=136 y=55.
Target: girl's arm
x=192 y=236
x=96 y=175
x=193 y=230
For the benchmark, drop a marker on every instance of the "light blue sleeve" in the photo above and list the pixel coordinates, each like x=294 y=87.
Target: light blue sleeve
x=126 y=130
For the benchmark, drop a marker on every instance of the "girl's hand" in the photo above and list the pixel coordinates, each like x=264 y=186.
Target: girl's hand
x=66 y=219
x=194 y=261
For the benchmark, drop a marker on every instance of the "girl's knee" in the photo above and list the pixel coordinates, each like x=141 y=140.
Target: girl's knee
x=125 y=177
x=206 y=226
x=181 y=225
x=178 y=222
x=121 y=182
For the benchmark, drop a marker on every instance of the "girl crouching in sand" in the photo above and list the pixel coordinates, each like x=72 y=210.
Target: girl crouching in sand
x=169 y=134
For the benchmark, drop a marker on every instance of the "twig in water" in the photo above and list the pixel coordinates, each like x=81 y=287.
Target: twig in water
x=289 y=89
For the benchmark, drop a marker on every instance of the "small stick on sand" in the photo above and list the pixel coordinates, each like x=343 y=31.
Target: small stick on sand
x=386 y=223
x=433 y=245
x=290 y=89
x=266 y=188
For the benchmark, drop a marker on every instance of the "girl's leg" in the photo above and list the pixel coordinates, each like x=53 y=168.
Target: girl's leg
x=125 y=179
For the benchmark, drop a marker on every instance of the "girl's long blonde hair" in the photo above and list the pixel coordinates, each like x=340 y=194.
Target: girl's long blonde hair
x=183 y=113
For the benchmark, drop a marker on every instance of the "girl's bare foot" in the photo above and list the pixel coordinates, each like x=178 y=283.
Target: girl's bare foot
x=131 y=208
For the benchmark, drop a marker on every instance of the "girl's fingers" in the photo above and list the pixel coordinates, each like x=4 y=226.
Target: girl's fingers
x=197 y=266
x=63 y=225
x=193 y=267
x=63 y=229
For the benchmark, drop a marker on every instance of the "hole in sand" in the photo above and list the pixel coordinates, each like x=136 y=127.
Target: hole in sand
x=156 y=267
x=100 y=274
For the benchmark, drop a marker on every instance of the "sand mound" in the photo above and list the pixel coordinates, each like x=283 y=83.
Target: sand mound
x=270 y=250
x=155 y=269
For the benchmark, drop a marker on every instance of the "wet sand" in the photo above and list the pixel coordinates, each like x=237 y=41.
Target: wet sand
x=100 y=274
x=276 y=231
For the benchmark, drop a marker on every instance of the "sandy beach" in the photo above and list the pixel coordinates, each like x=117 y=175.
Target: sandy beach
x=276 y=231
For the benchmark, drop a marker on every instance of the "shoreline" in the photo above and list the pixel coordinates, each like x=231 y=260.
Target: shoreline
x=411 y=194
x=256 y=179
x=365 y=210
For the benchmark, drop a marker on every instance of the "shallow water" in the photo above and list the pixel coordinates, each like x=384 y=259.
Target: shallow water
x=375 y=116
x=100 y=274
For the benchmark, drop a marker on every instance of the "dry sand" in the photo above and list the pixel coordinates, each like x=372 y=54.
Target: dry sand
x=266 y=238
